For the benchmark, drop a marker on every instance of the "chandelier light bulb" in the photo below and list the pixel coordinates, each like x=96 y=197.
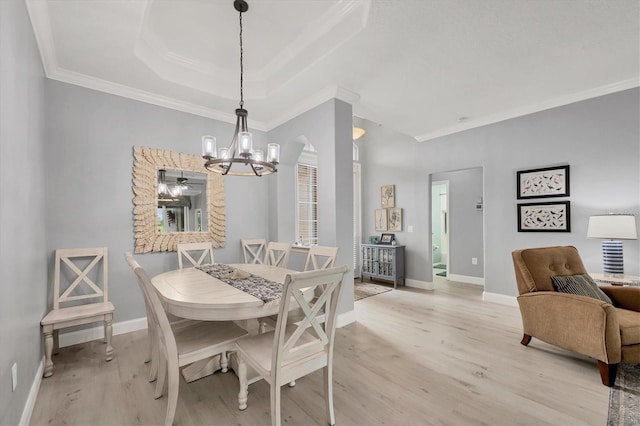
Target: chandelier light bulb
x=209 y=147
x=273 y=153
x=245 y=144
x=163 y=190
x=224 y=153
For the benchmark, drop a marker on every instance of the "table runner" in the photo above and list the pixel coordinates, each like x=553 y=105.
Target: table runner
x=254 y=285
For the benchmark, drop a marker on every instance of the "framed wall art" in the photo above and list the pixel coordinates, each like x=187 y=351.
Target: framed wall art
x=394 y=219
x=544 y=217
x=388 y=196
x=543 y=183
x=380 y=219
x=387 y=238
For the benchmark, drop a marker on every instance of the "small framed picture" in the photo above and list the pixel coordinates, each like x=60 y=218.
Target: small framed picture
x=381 y=219
x=543 y=183
x=394 y=218
x=544 y=217
x=388 y=196
x=387 y=238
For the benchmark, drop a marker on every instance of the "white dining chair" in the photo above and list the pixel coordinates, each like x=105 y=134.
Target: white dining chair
x=182 y=345
x=320 y=257
x=83 y=301
x=252 y=250
x=277 y=254
x=202 y=251
x=295 y=350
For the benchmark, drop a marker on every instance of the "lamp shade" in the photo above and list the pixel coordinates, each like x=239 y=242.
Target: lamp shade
x=612 y=227
x=358 y=132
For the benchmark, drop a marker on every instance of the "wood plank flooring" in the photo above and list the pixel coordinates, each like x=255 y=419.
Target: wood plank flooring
x=413 y=357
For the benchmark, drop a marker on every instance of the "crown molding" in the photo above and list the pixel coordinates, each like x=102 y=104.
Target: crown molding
x=332 y=92
x=533 y=108
x=83 y=80
x=40 y=19
x=93 y=83
x=40 y=22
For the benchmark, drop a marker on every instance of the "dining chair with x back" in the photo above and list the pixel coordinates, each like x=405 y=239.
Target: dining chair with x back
x=295 y=350
x=182 y=345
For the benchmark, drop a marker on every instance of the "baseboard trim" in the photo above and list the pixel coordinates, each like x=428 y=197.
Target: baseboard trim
x=27 y=411
x=466 y=279
x=95 y=333
x=346 y=318
x=424 y=285
x=501 y=299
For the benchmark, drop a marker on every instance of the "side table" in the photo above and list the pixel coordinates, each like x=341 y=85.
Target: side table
x=625 y=280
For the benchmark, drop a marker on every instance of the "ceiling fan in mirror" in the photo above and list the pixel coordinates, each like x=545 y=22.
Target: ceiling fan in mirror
x=183 y=186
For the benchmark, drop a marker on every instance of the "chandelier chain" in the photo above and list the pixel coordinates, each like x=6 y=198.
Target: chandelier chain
x=241 y=66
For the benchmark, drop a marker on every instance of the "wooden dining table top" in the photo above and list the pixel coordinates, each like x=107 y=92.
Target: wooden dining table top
x=194 y=294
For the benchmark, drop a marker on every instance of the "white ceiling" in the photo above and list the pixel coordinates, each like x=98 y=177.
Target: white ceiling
x=416 y=66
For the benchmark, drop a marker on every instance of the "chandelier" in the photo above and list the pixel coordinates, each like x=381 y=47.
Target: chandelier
x=250 y=161
x=167 y=192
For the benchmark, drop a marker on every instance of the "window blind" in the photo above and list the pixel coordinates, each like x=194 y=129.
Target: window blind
x=307 y=196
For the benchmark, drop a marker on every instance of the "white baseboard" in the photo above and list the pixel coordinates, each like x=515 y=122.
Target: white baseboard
x=95 y=333
x=466 y=279
x=502 y=299
x=424 y=285
x=27 y=411
x=346 y=318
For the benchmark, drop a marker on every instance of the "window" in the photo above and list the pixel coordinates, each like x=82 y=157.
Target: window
x=307 y=200
x=357 y=206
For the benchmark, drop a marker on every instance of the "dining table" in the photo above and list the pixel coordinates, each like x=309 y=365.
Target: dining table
x=192 y=293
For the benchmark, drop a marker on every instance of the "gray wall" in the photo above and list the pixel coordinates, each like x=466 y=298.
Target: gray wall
x=598 y=138
x=328 y=128
x=465 y=223
x=23 y=261
x=388 y=157
x=88 y=190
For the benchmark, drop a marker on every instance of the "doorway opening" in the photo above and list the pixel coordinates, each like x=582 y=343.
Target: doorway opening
x=440 y=228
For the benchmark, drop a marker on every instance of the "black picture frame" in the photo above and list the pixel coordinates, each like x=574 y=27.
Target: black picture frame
x=387 y=239
x=554 y=216
x=543 y=183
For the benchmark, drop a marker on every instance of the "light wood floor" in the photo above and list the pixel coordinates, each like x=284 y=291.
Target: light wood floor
x=414 y=357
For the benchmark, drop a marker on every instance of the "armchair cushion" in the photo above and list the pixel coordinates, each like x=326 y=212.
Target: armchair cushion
x=629 y=326
x=624 y=297
x=580 y=284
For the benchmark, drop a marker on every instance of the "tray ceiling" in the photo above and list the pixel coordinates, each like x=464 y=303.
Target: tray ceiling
x=416 y=66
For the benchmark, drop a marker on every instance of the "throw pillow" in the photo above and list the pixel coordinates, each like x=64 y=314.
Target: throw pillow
x=581 y=284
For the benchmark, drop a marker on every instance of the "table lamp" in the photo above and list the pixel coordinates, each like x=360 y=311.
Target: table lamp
x=612 y=228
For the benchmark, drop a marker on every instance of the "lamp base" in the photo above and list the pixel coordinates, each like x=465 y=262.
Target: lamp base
x=612 y=257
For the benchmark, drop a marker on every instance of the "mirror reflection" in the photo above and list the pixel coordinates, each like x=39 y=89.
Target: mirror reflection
x=182 y=201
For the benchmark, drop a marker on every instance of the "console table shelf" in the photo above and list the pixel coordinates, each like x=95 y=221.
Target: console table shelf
x=383 y=262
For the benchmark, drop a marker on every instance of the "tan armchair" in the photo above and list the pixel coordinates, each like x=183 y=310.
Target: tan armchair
x=608 y=333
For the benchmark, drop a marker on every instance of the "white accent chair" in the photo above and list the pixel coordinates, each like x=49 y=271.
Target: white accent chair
x=203 y=251
x=295 y=350
x=67 y=312
x=183 y=344
x=277 y=254
x=252 y=250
